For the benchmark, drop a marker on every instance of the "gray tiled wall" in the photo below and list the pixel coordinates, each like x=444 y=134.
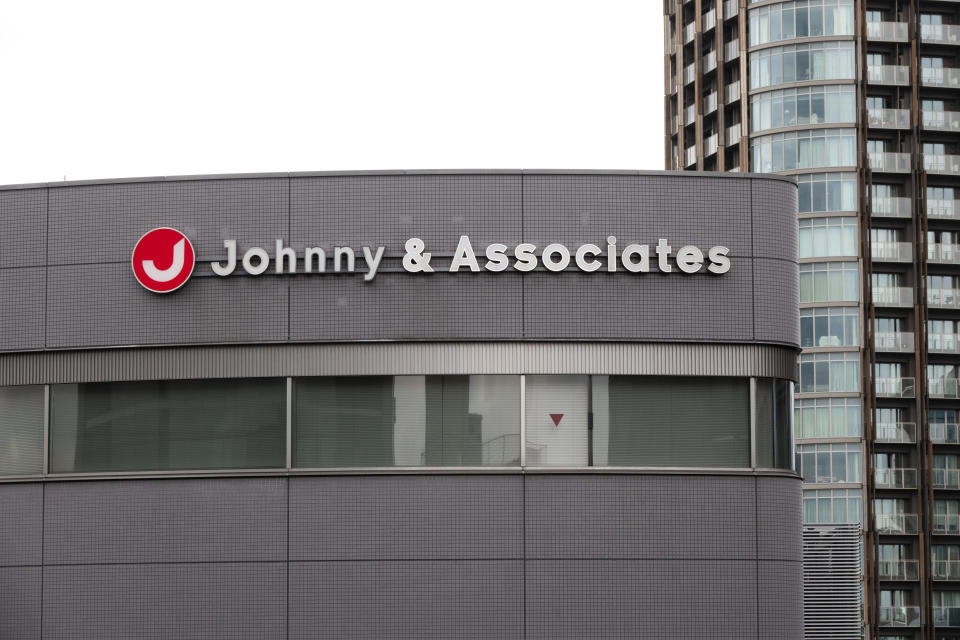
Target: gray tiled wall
x=65 y=272
x=410 y=556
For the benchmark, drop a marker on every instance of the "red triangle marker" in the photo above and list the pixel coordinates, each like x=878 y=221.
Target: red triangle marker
x=556 y=417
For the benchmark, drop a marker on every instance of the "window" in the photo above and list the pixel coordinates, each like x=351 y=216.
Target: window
x=830 y=327
x=829 y=372
x=946 y=472
x=801 y=19
x=829 y=463
x=165 y=425
x=802 y=62
x=827 y=192
x=832 y=506
x=773 y=423
x=803 y=105
x=829 y=282
x=828 y=418
x=946 y=517
x=811 y=149
x=828 y=237
x=21 y=430
x=637 y=421
x=406 y=421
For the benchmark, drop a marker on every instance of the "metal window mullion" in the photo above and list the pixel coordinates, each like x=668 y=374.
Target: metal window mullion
x=523 y=421
x=46 y=429
x=753 y=423
x=289 y=422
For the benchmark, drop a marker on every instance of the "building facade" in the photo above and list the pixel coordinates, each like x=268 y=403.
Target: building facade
x=860 y=101
x=406 y=405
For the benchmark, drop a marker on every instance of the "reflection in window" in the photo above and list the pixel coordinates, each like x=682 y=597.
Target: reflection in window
x=406 y=421
x=801 y=19
x=803 y=105
x=164 y=425
x=809 y=149
x=802 y=62
x=773 y=426
x=21 y=430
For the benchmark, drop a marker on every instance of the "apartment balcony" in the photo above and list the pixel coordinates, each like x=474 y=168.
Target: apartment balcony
x=689 y=114
x=940 y=253
x=946 y=524
x=710 y=145
x=896 y=524
x=943 y=209
x=887 y=31
x=731 y=50
x=690 y=156
x=946 y=478
x=709 y=20
x=894 y=341
x=896 y=432
x=940 y=33
x=899 y=570
x=710 y=103
x=894 y=207
x=709 y=61
x=889 y=118
x=689 y=31
x=731 y=92
x=940 y=77
x=729 y=9
x=895 y=478
x=890 y=162
x=946 y=616
x=948 y=343
x=943 y=388
x=888 y=74
x=895 y=387
x=898 y=616
x=941 y=120
x=943 y=298
x=942 y=164
x=891 y=251
x=733 y=134
x=945 y=570
x=944 y=433
x=689 y=73
x=892 y=296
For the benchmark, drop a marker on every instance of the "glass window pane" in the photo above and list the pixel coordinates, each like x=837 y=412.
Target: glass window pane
x=167 y=425
x=21 y=430
x=385 y=421
x=556 y=420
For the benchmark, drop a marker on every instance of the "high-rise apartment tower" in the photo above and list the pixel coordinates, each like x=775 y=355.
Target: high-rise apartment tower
x=860 y=101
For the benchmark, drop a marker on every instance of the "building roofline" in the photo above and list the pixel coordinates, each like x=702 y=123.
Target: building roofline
x=401 y=172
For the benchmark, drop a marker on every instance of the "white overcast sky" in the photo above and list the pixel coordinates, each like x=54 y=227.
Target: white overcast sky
x=94 y=89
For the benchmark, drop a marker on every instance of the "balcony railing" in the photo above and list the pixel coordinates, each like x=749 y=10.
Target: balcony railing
x=689 y=72
x=709 y=62
x=945 y=478
x=896 y=432
x=731 y=92
x=729 y=9
x=733 y=134
x=889 y=118
x=891 y=74
x=946 y=570
x=895 y=387
x=731 y=50
x=896 y=524
x=946 y=616
x=939 y=77
x=690 y=156
x=895 y=478
x=710 y=103
x=710 y=145
x=946 y=524
x=943 y=209
x=898 y=616
x=894 y=341
x=887 y=31
x=943 y=298
x=943 y=253
x=890 y=162
x=689 y=114
x=891 y=207
x=943 y=164
x=899 y=570
x=941 y=120
x=891 y=251
x=944 y=433
x=689 y=31
x=892 y=296
x=709 y=20
x=940 y=33
x=945 y=388
x=943 y=343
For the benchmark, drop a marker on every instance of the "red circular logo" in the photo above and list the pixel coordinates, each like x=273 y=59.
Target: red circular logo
x=163 y=260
